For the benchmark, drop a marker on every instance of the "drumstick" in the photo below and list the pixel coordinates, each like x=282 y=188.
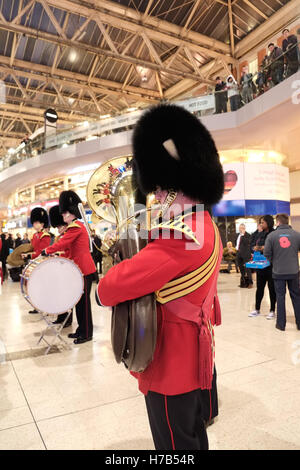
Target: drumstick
x=83 y=216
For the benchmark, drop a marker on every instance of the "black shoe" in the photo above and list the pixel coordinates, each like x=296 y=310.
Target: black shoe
x=280 y=328
x=33 y=311
x=57 y=322
x=209 y=422
x=80 y=340
x=73 y=335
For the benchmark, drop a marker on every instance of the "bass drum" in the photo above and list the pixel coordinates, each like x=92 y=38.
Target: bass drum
x=52 y=285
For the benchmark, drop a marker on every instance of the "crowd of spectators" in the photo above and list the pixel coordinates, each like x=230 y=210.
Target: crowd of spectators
x=279 y=64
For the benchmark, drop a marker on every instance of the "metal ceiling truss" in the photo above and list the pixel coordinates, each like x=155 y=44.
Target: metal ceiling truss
x=116 y=43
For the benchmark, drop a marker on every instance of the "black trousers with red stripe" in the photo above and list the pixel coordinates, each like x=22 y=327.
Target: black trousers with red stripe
x=84 y=311
x=176 y=421
x=210 y=407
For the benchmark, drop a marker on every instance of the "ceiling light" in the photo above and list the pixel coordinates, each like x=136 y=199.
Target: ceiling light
x=131 y=109
x=105 y=116
x=72 y=56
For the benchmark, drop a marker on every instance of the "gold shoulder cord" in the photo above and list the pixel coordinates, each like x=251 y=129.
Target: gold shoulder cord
x=178 y=224
x=73 y=224
x=190 y=282
x=45 y=234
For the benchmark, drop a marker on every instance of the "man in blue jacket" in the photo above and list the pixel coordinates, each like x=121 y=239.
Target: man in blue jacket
x=281 y=249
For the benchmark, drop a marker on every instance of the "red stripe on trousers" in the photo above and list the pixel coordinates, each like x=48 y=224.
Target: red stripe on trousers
x=167 y=416
x=86 y=308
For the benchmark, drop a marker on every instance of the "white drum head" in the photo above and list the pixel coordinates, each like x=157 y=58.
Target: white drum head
x=55 y=285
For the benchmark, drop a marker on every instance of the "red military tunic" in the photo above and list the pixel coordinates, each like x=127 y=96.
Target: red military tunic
x=40 y=241
x=175 y=366
x=75 y=241
x=67 y=252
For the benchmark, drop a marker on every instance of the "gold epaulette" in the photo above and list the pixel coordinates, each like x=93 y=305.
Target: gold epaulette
x=190 y=282
x=45 y=234
x=73 y=225
x=178 y=224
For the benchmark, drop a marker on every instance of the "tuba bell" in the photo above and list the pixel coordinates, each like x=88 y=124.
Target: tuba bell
x=113 y=196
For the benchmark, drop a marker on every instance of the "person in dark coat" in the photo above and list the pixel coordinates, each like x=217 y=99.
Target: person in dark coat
x=10 y=241
x=276 y=63
x=25 y=239
x=18 y=240
x=243 y=256
x=4 y=253
x=282 y=249
x=97 y=254
x=289 y=46
x=221 y=96
x=264 y=276
x=255 y=235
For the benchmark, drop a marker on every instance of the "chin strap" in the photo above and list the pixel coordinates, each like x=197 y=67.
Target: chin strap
x=171 y=196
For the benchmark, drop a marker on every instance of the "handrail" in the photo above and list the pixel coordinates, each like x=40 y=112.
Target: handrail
x=203 y=104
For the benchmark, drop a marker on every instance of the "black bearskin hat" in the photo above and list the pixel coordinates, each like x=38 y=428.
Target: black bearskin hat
x=68 y=202
x=56 y=219
x=194 y=168
x=39 y=214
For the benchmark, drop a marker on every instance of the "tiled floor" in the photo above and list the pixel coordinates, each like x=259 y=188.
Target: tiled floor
x=80 y=398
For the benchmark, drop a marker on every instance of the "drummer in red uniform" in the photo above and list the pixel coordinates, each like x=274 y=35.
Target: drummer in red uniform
x=41 y=239
x=76 y=240
x=175 y=157
x=57 y=221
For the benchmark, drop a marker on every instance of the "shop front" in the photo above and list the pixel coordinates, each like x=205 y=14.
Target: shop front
x=254 y=187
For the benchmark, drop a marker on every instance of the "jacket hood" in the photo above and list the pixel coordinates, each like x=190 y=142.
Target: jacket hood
x=233 y=79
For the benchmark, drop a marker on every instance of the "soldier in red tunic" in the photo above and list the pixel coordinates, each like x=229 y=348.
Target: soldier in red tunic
x=175 y=157
x=41 y=239
x=57 y=221
x=76 y=241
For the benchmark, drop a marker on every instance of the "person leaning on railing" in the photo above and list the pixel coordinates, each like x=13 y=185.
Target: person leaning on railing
x=289 y=46
x=220 y=96
x=233 y=93
x=276 y=63
x=246 y=85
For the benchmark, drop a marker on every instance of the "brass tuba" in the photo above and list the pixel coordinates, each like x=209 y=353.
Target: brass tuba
x=113 y=196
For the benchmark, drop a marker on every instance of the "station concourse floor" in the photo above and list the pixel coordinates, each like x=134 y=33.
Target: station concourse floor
x=79 y=398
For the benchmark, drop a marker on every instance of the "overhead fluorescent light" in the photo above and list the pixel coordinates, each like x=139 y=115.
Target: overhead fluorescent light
x=104 y=116
x=73 y=56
